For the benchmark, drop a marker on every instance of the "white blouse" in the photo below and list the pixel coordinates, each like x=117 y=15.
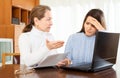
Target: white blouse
x=33 y=48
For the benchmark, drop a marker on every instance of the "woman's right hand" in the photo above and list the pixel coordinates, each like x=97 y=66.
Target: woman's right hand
x=97 y=25
x=64 y=62
x=54 y=44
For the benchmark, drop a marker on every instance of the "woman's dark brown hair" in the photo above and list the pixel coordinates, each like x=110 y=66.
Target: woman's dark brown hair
x=38 y=12
x=98 y=15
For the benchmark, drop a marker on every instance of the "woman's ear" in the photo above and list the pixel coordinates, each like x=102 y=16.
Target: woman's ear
x=36 y=21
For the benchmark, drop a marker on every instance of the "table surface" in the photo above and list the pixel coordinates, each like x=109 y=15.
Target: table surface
x=8 y=71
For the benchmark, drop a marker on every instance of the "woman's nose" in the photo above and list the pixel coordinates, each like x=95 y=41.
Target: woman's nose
x=89 y=26
x=51 y=23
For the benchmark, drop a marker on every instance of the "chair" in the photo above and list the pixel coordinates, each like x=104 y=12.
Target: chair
x=9 y=54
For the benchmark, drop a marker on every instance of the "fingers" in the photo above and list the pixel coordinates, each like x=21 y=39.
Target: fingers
x=47 y=41
x=96 y=24
x=60 y=64
x=58 y=44
x=64 y=62
x=54 y=44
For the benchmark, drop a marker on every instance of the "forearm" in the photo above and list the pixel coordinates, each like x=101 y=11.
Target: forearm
x=29 y=55
x=32 y=58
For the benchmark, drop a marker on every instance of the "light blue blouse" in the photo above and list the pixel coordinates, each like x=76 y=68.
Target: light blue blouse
x=79 y=48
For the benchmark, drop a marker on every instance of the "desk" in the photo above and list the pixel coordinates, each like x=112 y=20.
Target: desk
x=7 y=71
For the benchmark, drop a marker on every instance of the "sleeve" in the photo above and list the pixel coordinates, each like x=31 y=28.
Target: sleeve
x=68 y=48
x=28 y=57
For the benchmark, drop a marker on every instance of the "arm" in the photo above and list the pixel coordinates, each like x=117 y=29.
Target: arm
x=27 y=56
x=68 y=49
x=31 y=57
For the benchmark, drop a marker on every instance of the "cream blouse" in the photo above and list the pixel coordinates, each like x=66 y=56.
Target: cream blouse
x=33 y=48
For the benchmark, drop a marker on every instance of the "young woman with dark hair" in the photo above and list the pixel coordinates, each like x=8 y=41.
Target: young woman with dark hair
x=80 y=45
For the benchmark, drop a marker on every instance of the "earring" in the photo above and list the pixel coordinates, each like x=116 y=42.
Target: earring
x=37 y=25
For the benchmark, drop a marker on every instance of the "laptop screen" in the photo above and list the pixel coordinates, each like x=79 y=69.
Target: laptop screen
x=106 y=46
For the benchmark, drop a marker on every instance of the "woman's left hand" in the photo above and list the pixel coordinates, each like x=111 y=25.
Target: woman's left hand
x=54 y=44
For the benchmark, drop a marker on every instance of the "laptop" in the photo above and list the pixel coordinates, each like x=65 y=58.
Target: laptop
x=104 y=56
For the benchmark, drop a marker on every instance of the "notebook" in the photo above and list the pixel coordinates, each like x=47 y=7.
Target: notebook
x=104 y=56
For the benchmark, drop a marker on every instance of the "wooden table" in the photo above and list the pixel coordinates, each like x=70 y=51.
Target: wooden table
x=7 y=71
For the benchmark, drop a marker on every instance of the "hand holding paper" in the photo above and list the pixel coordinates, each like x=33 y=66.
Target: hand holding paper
x=51 y=60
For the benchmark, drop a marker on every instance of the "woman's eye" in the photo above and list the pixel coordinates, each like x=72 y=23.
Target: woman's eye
x=87 y=23
x=93 y=26
x=48 y=19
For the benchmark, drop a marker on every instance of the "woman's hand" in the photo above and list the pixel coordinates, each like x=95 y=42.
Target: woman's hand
x=97 y=25
x=64 y=62
x=54 y=44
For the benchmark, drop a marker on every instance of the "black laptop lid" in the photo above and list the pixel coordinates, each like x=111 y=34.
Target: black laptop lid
x=106 y=46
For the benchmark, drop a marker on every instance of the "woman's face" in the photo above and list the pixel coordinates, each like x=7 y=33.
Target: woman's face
x=45 y=23
x=89 y=27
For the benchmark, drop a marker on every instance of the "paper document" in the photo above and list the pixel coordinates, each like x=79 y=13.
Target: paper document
x=51 y=60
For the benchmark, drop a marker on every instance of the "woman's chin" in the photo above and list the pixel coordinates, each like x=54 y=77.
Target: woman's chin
x=89 y=34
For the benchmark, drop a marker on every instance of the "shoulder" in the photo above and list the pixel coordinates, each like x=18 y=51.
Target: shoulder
x=24 y=35
x=75 y=35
